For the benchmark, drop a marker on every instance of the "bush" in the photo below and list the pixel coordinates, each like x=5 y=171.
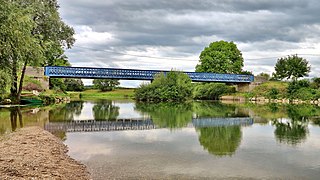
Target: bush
x=304 y=94
x=273 y=93
x=32 y=86
x=211 y=91
x=74 y=85
x=57 y=84
x=315 y=83
x=303 y=90
x=174 y=86
x=294 y=89
x=105 y=84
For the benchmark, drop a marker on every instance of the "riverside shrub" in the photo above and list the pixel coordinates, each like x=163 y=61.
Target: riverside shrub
x=302 y=90
x=174 y=86
x=211 y=91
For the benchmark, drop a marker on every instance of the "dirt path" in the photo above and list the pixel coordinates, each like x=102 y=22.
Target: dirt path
x=32 y=153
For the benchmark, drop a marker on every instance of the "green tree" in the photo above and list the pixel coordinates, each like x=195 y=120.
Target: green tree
x=74 y=84
x=172 y=86
x=30 y=33
x=221 y=57
x=17 y=41
x=264 y=75
x=106 y=84
x=291 y=67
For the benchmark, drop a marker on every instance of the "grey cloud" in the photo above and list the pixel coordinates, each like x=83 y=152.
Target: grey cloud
x=187 y=26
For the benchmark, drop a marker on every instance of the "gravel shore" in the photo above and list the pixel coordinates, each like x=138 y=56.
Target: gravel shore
x=32 y=153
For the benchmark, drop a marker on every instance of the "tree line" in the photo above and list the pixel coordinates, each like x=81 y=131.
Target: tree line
x=225 y=57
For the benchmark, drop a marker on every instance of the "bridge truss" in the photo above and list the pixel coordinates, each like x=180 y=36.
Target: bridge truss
x=136 y=74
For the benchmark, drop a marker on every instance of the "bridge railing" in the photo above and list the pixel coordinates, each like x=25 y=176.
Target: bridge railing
x=136 y=74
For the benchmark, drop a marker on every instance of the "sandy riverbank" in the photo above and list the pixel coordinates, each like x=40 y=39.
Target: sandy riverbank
x=32 y=153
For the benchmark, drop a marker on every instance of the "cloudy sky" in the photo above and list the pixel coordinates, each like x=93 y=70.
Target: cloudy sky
x=166 y=34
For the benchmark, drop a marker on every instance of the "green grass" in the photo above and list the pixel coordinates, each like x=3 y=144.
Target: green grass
x=97 y=94
x=265 y=88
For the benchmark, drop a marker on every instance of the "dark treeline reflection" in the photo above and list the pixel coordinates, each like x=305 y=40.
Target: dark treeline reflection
x=221 y=140
x=66 y=112
x=168 y=115
x=178 y=115
x=105 y=110
x=215 y=109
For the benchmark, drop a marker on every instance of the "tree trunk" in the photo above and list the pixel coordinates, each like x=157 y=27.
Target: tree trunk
x=14 y=85
x=21 y=80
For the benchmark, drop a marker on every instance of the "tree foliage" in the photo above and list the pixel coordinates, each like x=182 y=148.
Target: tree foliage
x=302 y=89
x=266 y=76
x=74 y=84
x=31 y=33
x=291 y=67
x=4 y=82
x=221 y=57
x=105 y=84
x=172 y=86
x=315 y=83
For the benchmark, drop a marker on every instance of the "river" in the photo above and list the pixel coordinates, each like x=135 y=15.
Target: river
x=195 y=140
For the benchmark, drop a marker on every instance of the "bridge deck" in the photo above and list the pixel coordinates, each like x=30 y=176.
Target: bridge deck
x=135 y=74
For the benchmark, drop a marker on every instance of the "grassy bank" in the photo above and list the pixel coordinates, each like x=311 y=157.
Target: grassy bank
x=97 y=94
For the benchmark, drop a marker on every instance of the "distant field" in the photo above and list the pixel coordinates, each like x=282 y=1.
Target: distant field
x=97 y=94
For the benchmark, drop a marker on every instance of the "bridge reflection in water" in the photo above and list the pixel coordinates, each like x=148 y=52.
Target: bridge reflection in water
x=138 y=124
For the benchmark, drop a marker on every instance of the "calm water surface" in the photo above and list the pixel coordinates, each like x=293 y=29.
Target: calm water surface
x=124 y=139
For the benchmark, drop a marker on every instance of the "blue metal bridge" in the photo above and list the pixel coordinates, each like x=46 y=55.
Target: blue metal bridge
x=139 y=124
x=135 y=74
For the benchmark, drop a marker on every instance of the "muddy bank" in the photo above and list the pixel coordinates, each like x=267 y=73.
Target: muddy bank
x=32 y=153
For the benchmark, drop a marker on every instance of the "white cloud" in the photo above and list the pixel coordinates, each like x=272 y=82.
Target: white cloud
x=86 y=37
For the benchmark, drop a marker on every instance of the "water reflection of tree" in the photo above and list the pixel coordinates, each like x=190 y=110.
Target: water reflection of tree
x=105 y=110
x=294 y=130
x=214 y=109
x=15 y=115
x=220 y=141
x=66 y=112
x=291 y=132
x=169 y=115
